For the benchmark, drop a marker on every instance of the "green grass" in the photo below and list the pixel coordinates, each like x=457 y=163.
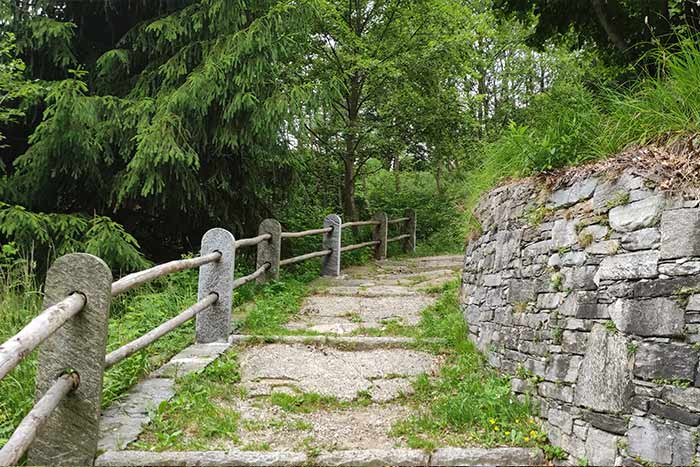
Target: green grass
x=468 y=403
x=307 y=402
x=570 y=124
x=270 y=306
x=132 y=316
x=195 y=416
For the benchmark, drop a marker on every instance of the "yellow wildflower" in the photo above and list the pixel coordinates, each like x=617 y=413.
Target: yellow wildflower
x=495 y=428
x=492 y=421
x=527 y=439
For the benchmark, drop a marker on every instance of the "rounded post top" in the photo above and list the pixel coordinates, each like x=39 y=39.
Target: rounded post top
x=218 y=235
x=270 y=226
x=83 y=265
x=333 y=220
x=82 y=259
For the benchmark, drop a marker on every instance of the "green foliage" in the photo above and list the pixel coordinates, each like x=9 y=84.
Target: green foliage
x=132 y=316
x=173 y=120
x=14 y=86
x=306 y=402
x=275 y=303
x=194 y=416
x=661 y=106
x=559 y=128
x=468 y=402
x=441 y=223
x=47 y=236
x=554 y=452
x=570 y=125
x=622 y=30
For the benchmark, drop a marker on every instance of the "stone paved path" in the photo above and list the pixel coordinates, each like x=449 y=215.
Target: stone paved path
x=367 y=378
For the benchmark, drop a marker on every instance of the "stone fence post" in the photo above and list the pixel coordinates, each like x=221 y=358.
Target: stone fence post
x=69 y=436
x=380 y=233
x=332 y=241
x=409 y=244
x=214 y=323
x=269 y=251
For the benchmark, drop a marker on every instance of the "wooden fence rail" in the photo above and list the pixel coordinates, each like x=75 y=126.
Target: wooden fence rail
x=37 y=331
x=71 y=332
x=26 y=432
x=305 y=233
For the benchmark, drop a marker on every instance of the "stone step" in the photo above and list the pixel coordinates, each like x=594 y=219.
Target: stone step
x=344 y=314
x=374 y=457
x=369 y=289
x=343 y=342
x=346 y=375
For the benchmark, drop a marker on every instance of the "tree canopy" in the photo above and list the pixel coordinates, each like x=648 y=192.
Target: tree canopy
x=130 y=128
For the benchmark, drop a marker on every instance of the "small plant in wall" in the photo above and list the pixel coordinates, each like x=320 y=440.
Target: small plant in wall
x=520 y=307
x=556 y=281
x=632 y=348
x=554 y=452
x=620 y=198
x=610 y=327
x=536 y=215
x=682 y=295
x=557 y=334
x=585 y=239
x=679 y=383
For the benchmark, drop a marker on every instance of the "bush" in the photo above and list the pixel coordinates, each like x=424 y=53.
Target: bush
x=570 y=125
x=43 y=237
x=659 y=107
x=441 y=221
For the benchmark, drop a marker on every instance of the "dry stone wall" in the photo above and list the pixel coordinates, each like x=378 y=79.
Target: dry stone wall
x=589 y=296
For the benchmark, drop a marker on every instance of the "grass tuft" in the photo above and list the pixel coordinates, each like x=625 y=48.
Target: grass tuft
x=468 y=403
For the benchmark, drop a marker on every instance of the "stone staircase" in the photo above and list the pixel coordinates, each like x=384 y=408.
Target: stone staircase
x=333 y=357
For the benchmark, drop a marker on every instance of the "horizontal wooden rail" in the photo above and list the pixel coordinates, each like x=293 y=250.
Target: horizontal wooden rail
x=398 y=221
x=252 y=241
x=37 y=331
x=150 y=337
x=251 y=277
x=400 y=237
x=26 y=432
x=360 y=223
x=359 y=245
x=299 y=259
x=306 y=233
x=139 y=278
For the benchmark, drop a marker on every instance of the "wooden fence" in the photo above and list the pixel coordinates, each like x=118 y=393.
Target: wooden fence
x=71 y=333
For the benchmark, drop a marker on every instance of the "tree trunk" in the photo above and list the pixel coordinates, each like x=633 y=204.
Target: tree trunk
x=397 y=173
x=353 y=105
x=610 y=29
x=349 y=211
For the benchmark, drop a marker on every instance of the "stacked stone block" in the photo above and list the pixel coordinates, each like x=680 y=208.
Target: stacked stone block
x=589 y=296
